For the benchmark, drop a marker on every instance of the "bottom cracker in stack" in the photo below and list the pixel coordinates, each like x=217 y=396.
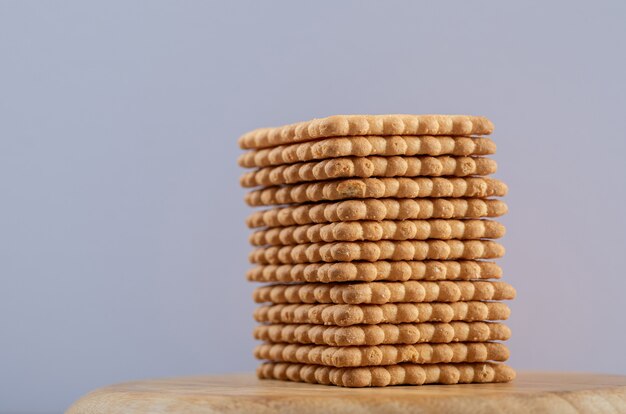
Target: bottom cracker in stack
x=384 y=333
x=403 y=374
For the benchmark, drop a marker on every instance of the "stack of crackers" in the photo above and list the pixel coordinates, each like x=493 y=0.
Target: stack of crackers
x=376 y=242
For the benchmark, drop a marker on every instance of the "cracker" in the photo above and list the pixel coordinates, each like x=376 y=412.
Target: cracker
x=379 y=250
x=365 y=167
x=405 y=333
x=401 y=374
x=380 y=270
x=379 y=230
x=365 y=146
x=384 y=292
x=345 y=315
x=378 y=210
x=400 y=187
x=363 y=356
x=348 y=125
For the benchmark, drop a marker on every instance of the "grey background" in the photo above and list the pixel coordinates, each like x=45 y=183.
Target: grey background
x=122 y=243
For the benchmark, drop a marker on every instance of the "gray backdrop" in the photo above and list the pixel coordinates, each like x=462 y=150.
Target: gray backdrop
x=122 y=243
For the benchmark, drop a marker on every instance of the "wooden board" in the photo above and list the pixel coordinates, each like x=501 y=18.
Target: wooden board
x=244 y=393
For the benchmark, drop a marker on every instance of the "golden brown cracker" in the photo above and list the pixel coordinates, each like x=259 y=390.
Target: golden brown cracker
x=363 y=356
x=348 y=125
x=384 y=292
x=379 y=250
x=404 y=333
x=401 y=374
x=379 y=230
x=378 y=210
x=380 y=270
x=365 y=146
x=357 y=188
x=365 y=167
x=345 y=315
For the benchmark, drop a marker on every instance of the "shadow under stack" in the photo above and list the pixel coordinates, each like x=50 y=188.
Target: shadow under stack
x=376 y=244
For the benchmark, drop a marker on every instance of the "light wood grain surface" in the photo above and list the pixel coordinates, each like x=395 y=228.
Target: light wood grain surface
x=244 y=393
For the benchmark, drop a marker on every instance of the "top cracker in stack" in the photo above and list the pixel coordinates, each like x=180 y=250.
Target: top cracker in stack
x=385 y=219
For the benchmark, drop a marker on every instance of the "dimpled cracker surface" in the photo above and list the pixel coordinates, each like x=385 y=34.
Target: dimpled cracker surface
x=360 y=356
x=378 y=210
x=379 y=270
x=404 y=333
x=346 y=315
x=348 y=125
x=401 y=374
x=379 y=230
x=384 y=292
x=365 y=146
x=365 y=167
x=379 y=250
x=377 y=188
